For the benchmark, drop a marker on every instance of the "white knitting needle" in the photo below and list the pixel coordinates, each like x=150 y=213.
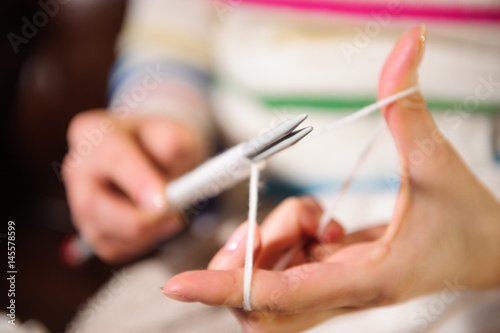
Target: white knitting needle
x=212 y=177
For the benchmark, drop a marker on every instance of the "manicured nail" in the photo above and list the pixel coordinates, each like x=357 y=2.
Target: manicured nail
x=238 y=238
x=422 y=39
x=332 y=233
x=423 y=33
x=421 y=44
x=159 y=201
x=176 y=296
x=153 y=200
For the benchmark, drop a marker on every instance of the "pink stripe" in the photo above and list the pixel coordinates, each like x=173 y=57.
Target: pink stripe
x=443 y=12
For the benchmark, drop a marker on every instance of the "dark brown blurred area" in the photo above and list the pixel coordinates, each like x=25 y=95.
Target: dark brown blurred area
x=60 y=70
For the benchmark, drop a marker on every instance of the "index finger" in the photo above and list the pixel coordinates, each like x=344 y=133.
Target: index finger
x=130 y=169
x=304 y=288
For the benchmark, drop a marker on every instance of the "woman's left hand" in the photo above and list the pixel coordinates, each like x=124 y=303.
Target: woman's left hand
x=445 y=227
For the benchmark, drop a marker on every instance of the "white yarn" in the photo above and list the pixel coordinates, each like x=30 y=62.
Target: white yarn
x=285 y=260
x=347 y=183
x=367 y=110
x=254 y=189
x=252 y=223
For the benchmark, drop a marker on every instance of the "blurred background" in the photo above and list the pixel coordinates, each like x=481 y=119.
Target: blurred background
x=59 y=70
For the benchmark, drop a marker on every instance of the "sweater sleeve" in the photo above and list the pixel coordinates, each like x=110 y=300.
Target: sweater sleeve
x=162 y=65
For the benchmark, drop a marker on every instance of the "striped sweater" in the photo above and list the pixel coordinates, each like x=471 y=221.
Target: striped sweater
x=250 y=64
x=240 y=66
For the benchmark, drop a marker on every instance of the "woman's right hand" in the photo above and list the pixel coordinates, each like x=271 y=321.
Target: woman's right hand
x=115 y=174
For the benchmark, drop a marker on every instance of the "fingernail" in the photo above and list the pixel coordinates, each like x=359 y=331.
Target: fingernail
x=159 y=201
x=176 y=296
x=238 y=238
x=314 y=211
x=332 y=233
x=423 y=39
x=153 y=200
x=423 y=33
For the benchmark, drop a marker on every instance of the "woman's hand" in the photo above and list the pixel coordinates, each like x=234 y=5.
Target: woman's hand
x=445 y=227
x=115 y=175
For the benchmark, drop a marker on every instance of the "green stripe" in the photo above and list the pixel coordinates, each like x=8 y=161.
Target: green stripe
x=340 y=104
x=324 y=103
x=329 y=104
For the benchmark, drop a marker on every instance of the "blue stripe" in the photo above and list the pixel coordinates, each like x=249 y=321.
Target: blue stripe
x=177 y=71
x=280 y=188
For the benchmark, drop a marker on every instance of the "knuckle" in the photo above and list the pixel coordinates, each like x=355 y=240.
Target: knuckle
x=380 y=297
x=272 y=307
x=115 y=148
x=80 y=122
x=182 y=147
x=255 y=322
x=415 y=102
x=278 y=301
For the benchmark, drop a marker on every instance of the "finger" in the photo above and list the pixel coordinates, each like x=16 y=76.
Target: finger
x=232 y=255
x=109 y=213
x=409 y=120
x=325 y=251
x=305 y=288
x=171 y=145
x=286 y=227
x=124 y=162
x=427 y=160
x=115 y=156
x=293 y=257
x=332 y=232
x=113 y=250
x=118 y=250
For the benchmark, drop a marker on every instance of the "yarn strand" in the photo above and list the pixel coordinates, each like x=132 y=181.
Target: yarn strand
x=367 y=110
x=347 y=183
x=254 y=189
x=252 y=224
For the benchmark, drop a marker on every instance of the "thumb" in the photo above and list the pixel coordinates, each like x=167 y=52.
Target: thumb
x=408 y=118
x=172 y=145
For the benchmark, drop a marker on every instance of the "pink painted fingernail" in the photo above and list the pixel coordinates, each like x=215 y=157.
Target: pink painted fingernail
x=177 y=296
x=238 y=238
x=423 y=33
x=332 y=233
